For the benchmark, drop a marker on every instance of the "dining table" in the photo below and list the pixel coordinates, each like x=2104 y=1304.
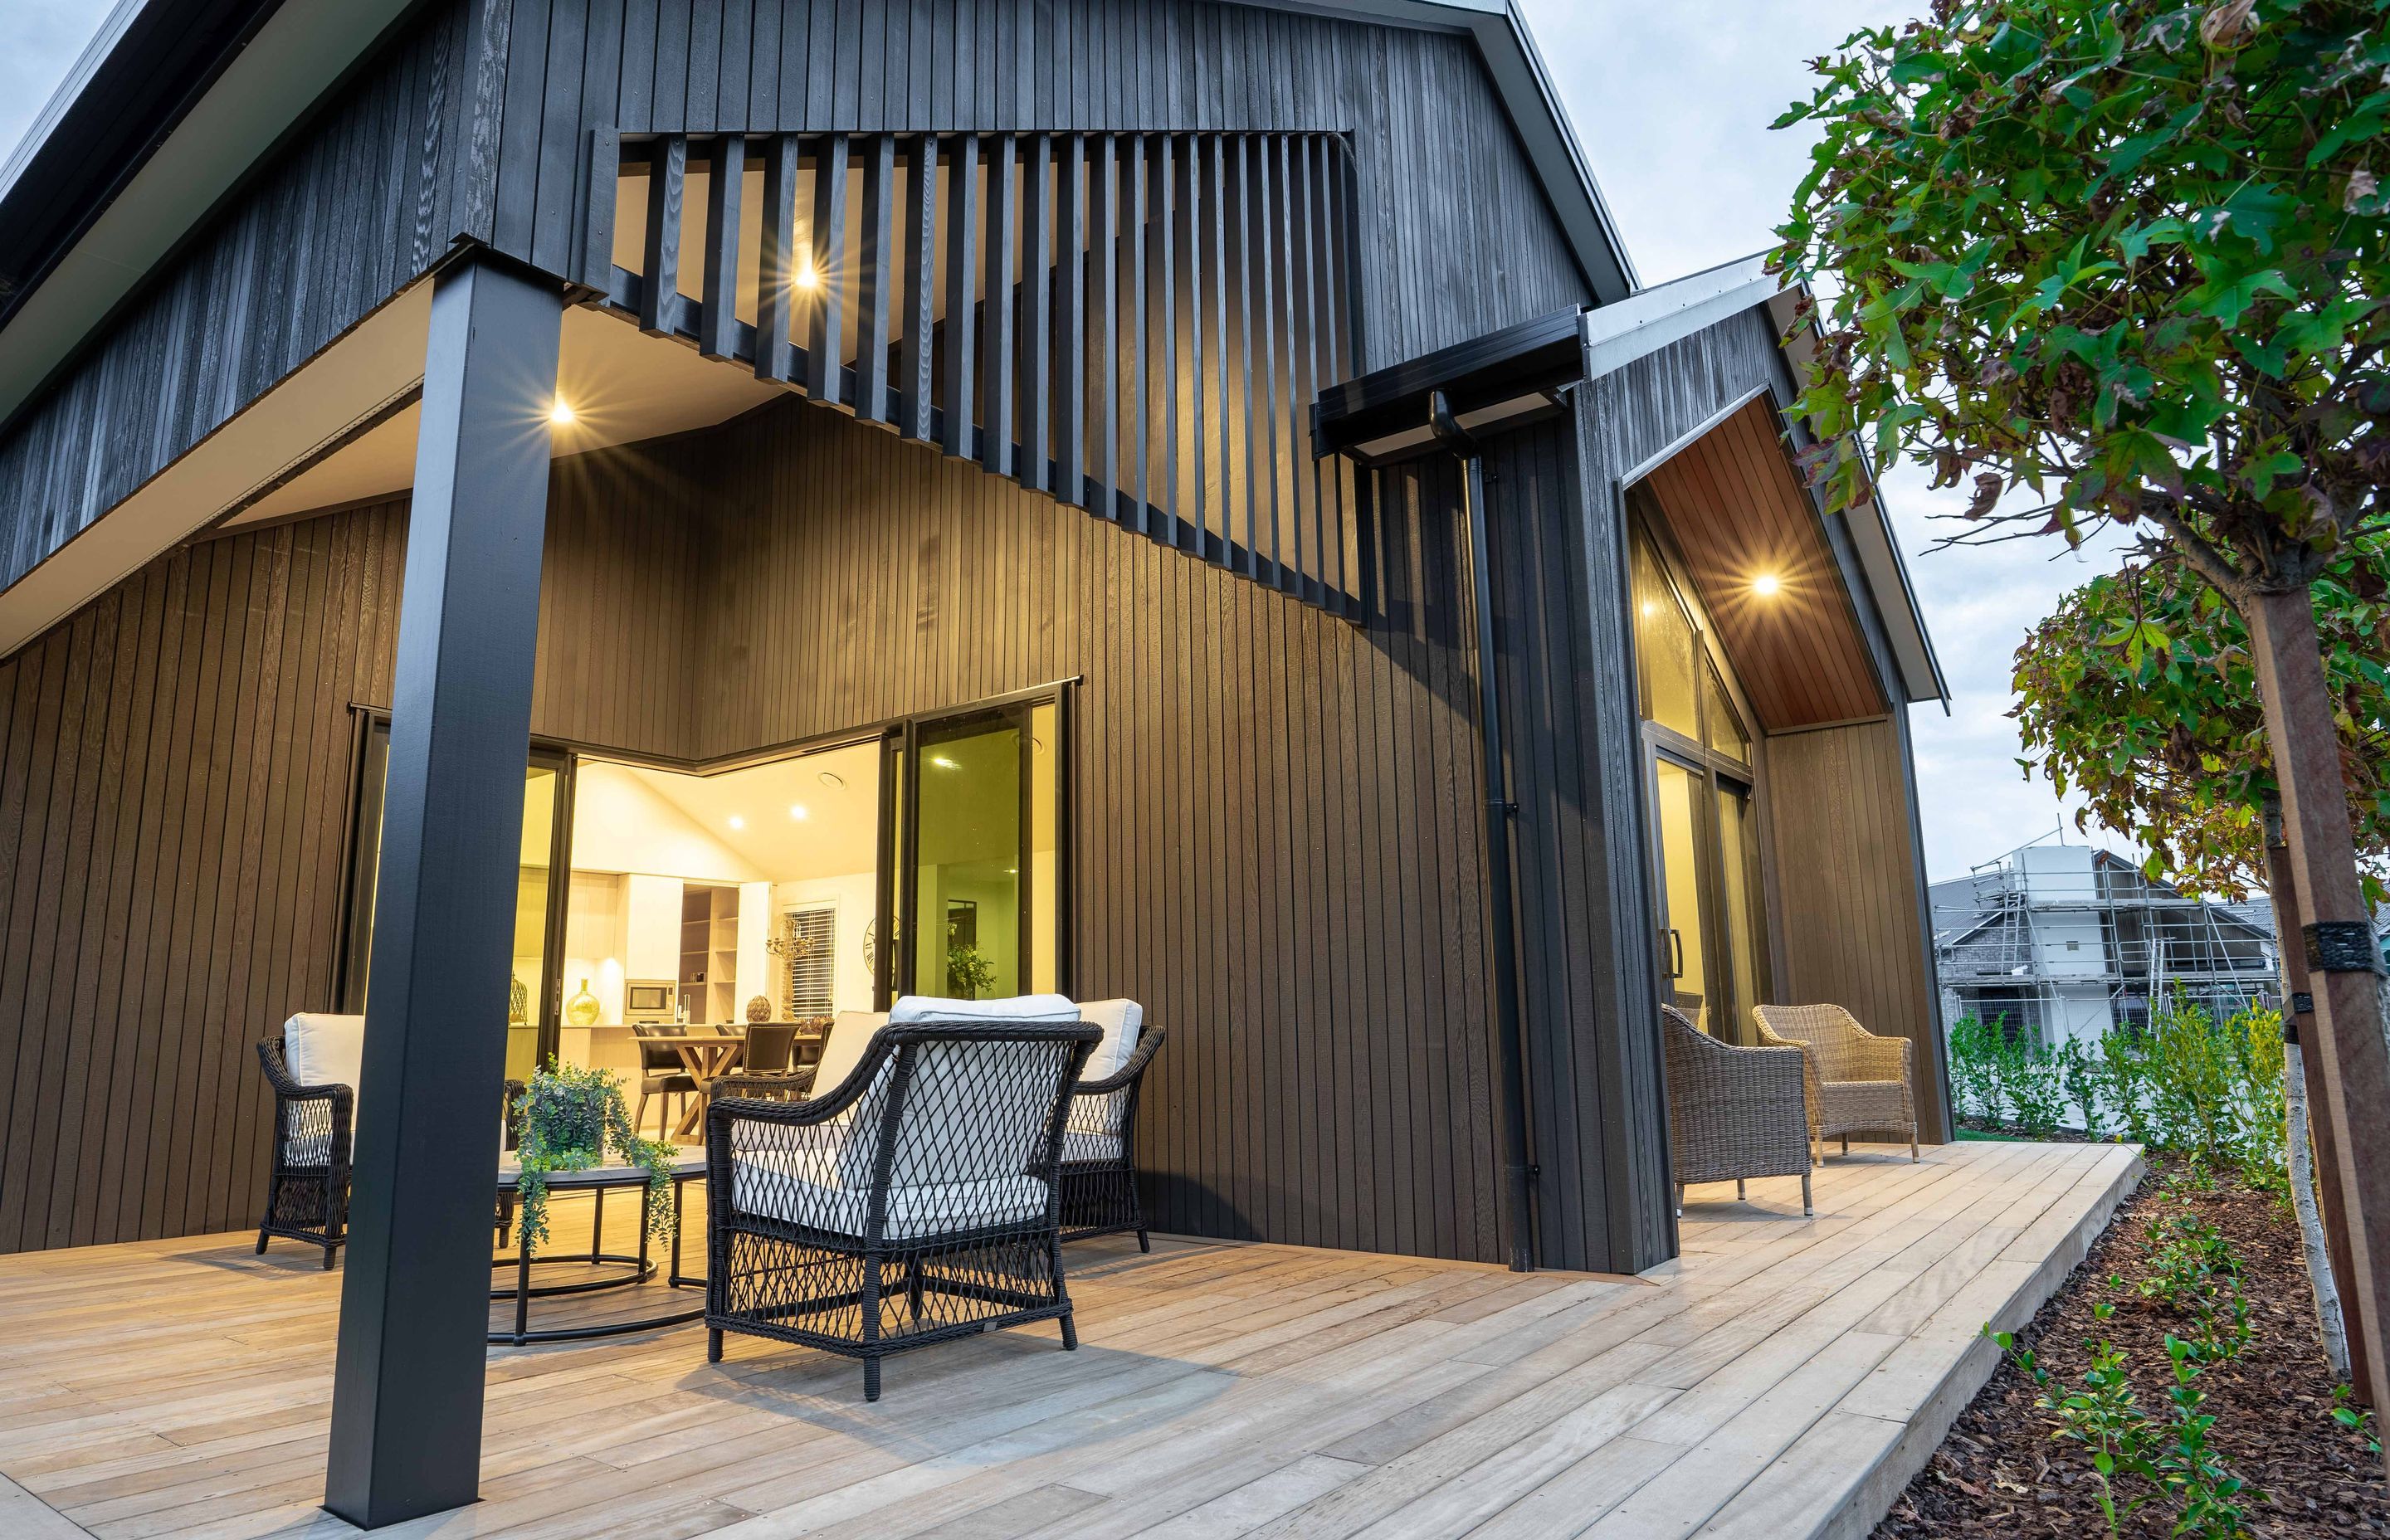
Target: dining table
x=708 y=1051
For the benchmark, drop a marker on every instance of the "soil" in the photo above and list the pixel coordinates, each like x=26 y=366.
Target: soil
x=1999 y=1473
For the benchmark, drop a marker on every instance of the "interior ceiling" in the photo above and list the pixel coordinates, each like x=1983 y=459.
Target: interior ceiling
x=1737 y=514
x=838 y=834
x=622 y=385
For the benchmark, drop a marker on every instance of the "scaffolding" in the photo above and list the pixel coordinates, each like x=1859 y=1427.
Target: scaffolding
x=2064 y=941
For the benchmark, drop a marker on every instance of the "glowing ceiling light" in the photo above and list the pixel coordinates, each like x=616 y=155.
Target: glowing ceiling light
x=806 y=277
x=737 y=822
x=561 y=413
x=943 y=763
x=1765 y=585
x=797 y=810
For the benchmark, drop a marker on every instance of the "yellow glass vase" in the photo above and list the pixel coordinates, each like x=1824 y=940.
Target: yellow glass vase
x=582 y=1009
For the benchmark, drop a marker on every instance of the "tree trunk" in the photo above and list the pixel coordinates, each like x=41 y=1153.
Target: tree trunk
x=2334 y=1282
x=2352 y=1016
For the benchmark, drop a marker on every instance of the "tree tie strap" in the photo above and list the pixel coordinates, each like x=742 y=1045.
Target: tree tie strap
x=2342 y=946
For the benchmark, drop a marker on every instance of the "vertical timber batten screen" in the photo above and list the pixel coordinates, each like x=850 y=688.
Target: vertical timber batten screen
x=1135 y=323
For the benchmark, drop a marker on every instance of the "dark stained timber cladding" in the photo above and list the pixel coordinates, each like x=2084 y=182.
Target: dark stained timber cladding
x=1275 y=839
x=477 y=121
x=350 y=210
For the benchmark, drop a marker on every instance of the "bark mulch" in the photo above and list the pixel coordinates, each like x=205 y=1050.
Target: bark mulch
x=1999 y=1473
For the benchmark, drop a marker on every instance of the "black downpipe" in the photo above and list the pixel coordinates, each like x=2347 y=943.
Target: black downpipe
x=1499 y=812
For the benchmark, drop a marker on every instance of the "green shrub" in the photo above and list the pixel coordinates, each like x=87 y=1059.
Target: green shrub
x=2187 y=1083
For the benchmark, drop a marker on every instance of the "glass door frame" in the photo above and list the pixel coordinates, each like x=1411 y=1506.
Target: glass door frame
x=893 y=955
x=1712 y=769
x=370 y=754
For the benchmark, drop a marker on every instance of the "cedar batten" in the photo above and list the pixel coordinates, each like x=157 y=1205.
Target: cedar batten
x=917 y=380
x=873 y=299
x=1034 y=383
x=995 y=307
x=1069 y=391
x=667 y=185
x=726 y=177
x=959 y=358
x=777 y=260
x=832 y=279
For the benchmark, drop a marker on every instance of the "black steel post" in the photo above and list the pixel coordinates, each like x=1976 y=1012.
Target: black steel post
x=407 y=1390
x=1510 y=1050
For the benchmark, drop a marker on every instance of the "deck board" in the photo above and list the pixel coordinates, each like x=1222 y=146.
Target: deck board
x=1783 y=1377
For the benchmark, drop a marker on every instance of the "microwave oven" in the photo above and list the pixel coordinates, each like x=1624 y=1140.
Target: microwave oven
x=650 y=1000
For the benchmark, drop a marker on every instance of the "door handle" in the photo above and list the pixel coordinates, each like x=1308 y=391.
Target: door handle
x=1676 y=952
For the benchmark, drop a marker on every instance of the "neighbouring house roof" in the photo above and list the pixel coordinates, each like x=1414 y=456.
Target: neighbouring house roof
x=178 y=98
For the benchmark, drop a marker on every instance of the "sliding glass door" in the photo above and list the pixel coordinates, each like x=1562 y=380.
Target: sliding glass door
x=1711 y=919
x=973 y=842
x=532 y=1003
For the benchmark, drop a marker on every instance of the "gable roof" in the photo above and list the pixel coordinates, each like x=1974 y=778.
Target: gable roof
x=176 y=100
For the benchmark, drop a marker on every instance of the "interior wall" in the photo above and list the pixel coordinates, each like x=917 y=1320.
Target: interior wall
x=1840 y=806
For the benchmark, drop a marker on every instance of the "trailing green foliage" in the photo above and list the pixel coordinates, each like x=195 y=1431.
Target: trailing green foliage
x=569 y=1118
x=2187 y=1083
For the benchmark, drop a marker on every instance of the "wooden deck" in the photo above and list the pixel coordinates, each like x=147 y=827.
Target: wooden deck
x=1782 y=1379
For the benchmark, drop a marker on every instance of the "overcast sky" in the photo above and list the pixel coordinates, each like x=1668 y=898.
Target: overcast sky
x=1672 y=101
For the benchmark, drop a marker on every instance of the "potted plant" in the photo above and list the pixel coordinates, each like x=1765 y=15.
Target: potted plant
x=569 y=1118
x=968 y=971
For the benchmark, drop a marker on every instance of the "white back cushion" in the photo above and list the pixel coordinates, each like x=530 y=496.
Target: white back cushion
x=322 y=1049
x=1053 y=1009
x=1121 y=1021
x=850 y=1034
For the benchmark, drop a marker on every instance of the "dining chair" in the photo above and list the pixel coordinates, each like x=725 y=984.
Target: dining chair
x=771 y=1048
x=662 y=1072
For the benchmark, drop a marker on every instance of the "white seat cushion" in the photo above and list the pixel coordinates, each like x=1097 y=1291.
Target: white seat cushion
x=810 y=1188
x=1121 y=1021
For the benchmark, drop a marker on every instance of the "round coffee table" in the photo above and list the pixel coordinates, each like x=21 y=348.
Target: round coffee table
x=636 y=1269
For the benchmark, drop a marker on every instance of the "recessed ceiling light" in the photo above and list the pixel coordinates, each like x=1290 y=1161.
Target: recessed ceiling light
x=943 y=763
x=797 y=810
x=737 y=822
x=1765 y=584
x=561 y=413
x=806 y=277
x=832 y=780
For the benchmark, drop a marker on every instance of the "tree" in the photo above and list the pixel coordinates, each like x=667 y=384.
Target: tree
x=2137 y=692
x=2126 y=262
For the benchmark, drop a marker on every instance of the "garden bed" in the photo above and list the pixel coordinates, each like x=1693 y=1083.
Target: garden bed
x=2000 y=1473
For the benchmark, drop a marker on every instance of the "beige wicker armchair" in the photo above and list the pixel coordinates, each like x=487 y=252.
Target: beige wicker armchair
x=1858 y=1082
x=1733 y=1113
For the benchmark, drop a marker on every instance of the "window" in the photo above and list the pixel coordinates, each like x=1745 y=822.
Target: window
x=809 y=937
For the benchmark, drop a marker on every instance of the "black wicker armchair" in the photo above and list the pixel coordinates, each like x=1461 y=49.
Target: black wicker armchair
x=1099 y=1173
x=307 y=1182
x=912 y=1204
x=307 y=1174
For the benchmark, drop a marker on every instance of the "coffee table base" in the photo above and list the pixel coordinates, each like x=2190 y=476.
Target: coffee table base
x=642 y=1270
